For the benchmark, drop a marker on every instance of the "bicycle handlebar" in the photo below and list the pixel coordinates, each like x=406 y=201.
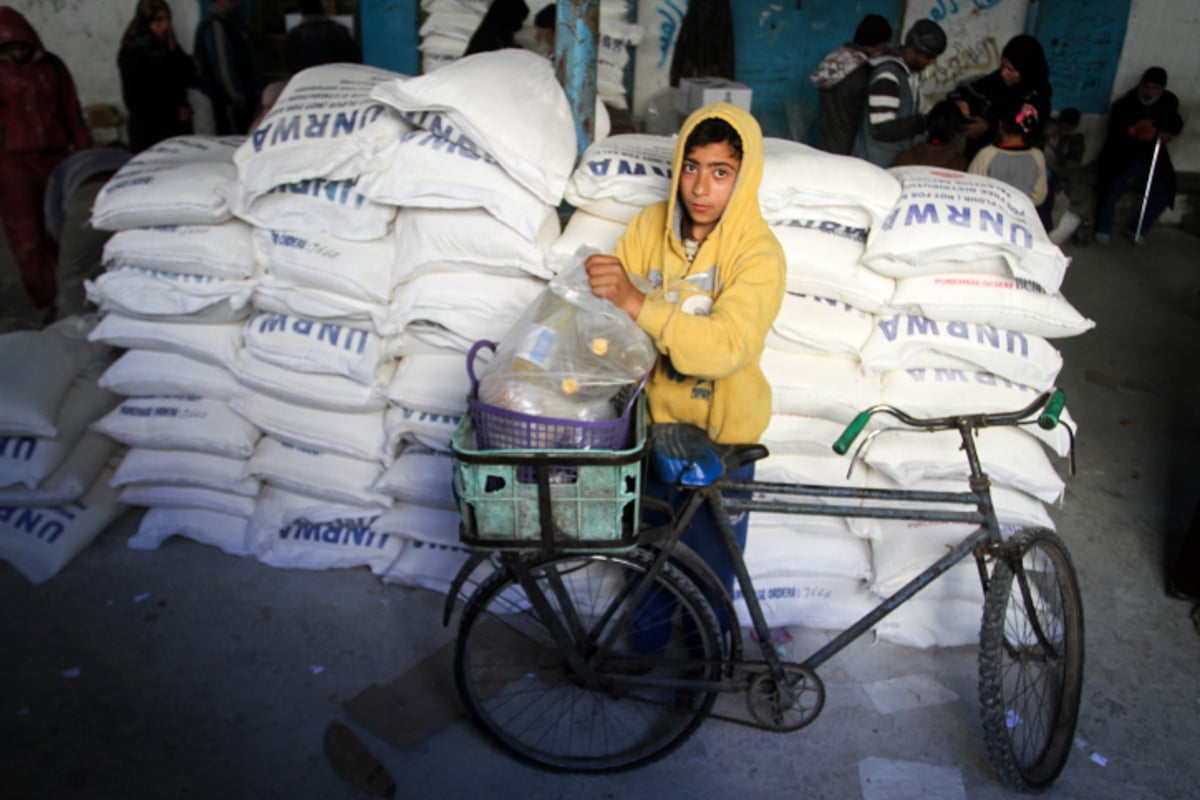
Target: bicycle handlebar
x=1050 y=404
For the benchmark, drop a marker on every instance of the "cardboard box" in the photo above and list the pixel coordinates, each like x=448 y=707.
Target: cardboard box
x=699 y=92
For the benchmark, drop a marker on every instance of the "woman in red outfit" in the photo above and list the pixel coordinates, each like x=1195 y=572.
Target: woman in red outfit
x=40 y=124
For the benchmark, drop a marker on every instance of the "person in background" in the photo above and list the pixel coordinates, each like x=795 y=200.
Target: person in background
x=1065 y=146
x=499 y=24
x=841 y=81
x=318 y=40
x=942 y=146
x=717 y=275
x=41 y=123
x=155 y=77
x=228 y=65
x=891 y=118
x=1012 y=158
x=1023 y=77
x=545 y=28
x=1144 y=115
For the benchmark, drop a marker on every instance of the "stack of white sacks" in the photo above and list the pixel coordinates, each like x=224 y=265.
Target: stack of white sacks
x=384 y=225
x=54 y=492
x=449 y=25
x=933 y=291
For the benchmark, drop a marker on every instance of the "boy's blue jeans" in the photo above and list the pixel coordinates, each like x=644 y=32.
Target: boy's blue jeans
x=651 y=629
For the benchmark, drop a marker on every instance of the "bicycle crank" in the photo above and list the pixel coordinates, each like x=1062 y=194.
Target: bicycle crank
x=789 y=706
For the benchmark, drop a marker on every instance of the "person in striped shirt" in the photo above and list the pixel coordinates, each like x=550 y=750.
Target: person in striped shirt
x=891 y=118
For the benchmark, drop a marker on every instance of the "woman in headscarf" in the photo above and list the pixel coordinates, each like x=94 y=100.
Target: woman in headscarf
x=1023 y=77
x=40 y=124
x=155 y=76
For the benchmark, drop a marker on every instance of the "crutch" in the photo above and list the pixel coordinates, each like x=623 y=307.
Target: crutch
x=1137 y=233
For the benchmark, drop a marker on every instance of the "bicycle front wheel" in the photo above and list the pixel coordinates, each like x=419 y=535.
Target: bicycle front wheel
x=1031 y=660
x=588 y=683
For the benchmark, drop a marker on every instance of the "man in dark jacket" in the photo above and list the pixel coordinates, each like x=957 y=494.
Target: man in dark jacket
x=892 y=117
x=41 y=123
x=841 y=80
x=1145 y=115
x=318 y=40
x=228 y=65
x=499 y=25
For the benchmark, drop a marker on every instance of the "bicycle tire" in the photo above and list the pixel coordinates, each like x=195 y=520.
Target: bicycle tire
x=1031 y=660
x=517 y=686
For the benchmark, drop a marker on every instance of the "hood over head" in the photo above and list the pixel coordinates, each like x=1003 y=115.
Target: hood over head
x=743 y=211
x=15 y=28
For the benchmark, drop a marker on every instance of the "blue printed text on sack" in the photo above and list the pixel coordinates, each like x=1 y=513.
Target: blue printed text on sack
x=313 y=126
x=46 y=524
x=354 y=340
x=18 y=448
x=992 y=223
x=352 y=533
x=921 y=328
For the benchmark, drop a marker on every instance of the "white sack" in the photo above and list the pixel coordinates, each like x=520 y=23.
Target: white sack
x=306 y=345
x=216 y=344
x=38 y=368
x=338 y=544
x=825 y=386
x=40 y=541
x=827 y=602
x=26 y=460
x=71 y=480
x=221 y=251
x=359 y=270
x=903 y=341
x=138 y=292
x=149 y=373
x=621 y=175
x=471 y=102
x=428 y=171
x=226 y=532
x=184 y=468
x=324 y=125
x=312 y=390
x=844 y=188
x=468 y=241
x=824 y=323
x=308 y=471
x=184 y=422
x=420 y=476
x=406 y=425
x=1001 y=302
x=1010 y=457
x=197 y=497
x=337 y=208
x=588 y=231
x=944 y=216
x=434 y=382
x=181 y=181
x=358 y=435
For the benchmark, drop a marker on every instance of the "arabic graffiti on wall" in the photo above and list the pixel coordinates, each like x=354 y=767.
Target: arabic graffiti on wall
x=945 y=9
x=962 y=60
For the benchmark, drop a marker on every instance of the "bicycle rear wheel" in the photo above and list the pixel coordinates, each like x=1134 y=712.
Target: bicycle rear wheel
x=1031 y=661
x=619 y=710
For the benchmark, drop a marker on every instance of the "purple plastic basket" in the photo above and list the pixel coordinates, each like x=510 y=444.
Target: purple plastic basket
x=501 y=429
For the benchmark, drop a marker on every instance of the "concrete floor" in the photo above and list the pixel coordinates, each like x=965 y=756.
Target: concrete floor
x=201 y=675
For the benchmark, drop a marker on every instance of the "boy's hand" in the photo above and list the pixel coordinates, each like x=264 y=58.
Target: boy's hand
x=607 y=277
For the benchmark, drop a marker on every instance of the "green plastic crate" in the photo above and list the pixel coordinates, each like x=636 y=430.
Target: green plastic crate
x=591 y=499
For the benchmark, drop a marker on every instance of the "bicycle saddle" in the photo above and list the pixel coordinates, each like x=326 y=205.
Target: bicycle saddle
x=684 y=455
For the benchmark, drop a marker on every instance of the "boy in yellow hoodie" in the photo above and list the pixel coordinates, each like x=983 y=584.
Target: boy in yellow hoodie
x=718 y=276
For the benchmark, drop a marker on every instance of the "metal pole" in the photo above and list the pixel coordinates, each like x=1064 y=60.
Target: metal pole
x=575 y=52
x=1137 y=234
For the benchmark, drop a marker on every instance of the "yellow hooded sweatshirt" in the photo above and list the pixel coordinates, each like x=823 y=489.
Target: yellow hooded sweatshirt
x=709 y=318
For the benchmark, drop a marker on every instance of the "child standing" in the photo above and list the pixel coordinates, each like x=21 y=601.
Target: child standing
x=718 y=275
x=1012 y=159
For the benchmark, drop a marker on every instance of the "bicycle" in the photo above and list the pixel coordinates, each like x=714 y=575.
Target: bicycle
x=552 y=660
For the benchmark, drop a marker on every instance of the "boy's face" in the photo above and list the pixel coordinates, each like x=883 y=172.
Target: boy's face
x=708 y=176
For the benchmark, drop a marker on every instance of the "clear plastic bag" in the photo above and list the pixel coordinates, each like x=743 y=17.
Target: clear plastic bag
x=569 y=355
